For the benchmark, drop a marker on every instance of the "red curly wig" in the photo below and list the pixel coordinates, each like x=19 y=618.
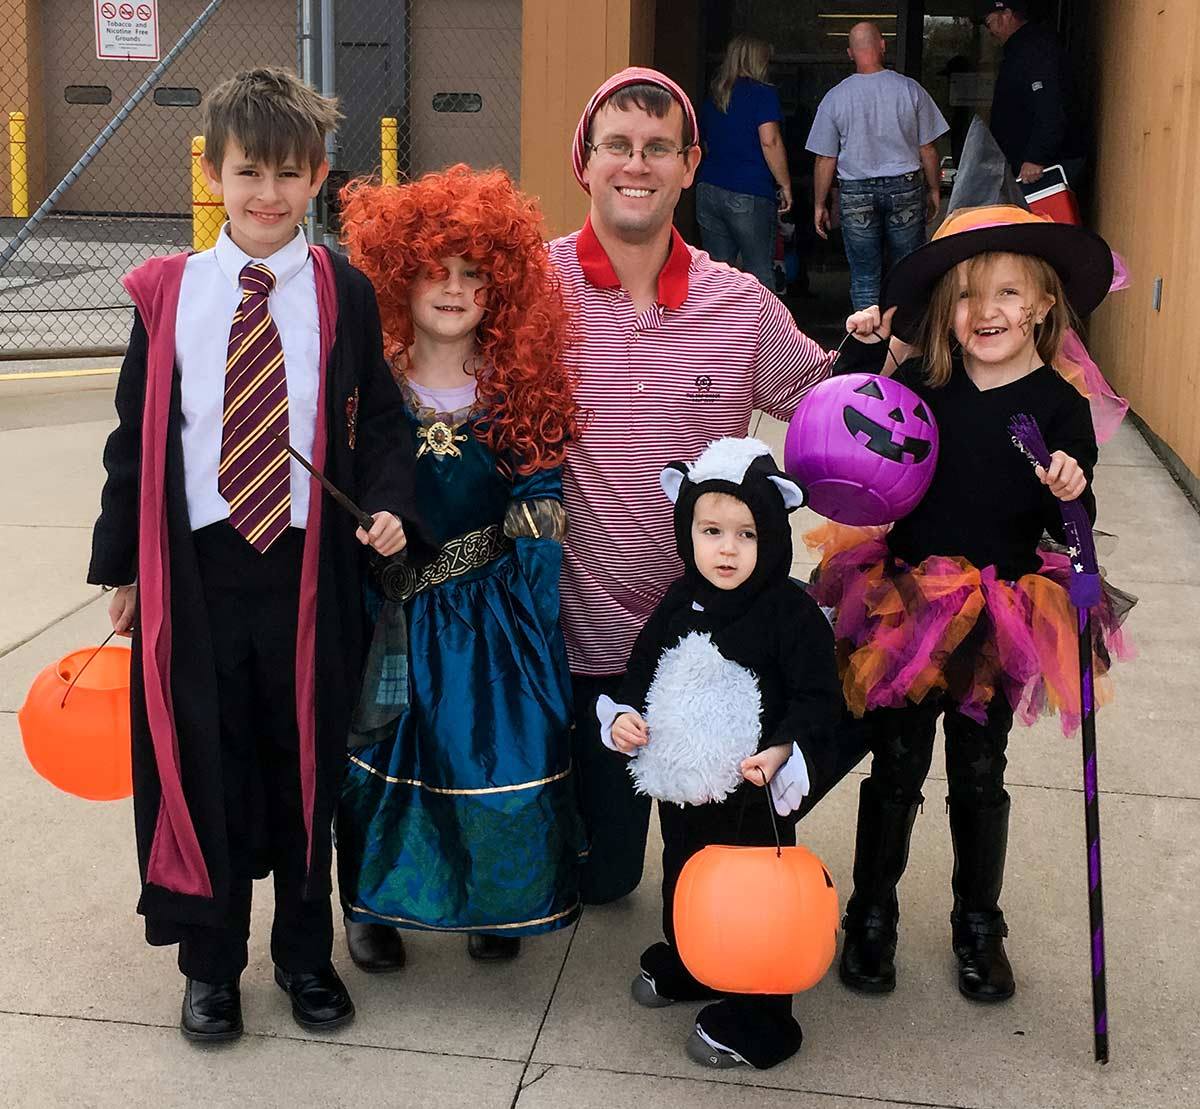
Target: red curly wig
x=393 y=232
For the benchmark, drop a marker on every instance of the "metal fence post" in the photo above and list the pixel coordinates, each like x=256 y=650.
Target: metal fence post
x=304 y=13
x=18 y=166
x=329 y=88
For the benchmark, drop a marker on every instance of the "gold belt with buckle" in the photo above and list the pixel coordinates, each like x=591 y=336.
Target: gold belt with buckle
x=460 y=555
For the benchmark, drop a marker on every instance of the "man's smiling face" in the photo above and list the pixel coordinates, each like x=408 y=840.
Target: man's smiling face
x=632 y=198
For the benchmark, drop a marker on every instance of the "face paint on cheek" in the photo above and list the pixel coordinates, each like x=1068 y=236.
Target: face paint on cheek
x=1026 y=319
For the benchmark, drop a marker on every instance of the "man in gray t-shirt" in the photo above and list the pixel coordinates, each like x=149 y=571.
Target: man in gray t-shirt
x=877 y=129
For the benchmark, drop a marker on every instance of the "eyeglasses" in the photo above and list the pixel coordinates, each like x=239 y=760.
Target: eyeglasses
x=622 y=149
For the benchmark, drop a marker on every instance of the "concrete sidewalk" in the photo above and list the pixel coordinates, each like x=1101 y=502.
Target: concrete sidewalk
x=88 y=1013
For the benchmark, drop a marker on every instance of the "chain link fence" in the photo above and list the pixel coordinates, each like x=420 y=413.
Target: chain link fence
x=422 y=84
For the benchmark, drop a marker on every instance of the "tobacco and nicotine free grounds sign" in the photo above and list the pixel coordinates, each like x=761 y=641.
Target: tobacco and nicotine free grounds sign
x=127 y=30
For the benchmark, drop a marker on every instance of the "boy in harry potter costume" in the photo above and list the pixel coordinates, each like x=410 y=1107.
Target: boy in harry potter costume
x=731 y=686
x=238 y=580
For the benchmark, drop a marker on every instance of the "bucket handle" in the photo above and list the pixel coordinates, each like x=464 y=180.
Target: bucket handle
x=63 y=702
x=771 y=810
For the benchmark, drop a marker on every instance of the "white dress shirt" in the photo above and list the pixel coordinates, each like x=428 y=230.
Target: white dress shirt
x=208 y=297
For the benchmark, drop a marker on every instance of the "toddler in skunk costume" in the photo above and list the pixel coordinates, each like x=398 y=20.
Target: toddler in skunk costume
x=731 y=686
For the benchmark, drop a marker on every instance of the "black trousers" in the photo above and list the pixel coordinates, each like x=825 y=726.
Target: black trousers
x=902 y=747
x=253 y=602
x=759 y=1027
x=615 y=818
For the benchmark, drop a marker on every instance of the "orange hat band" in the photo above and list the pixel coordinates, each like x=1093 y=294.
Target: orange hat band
x=994 y=215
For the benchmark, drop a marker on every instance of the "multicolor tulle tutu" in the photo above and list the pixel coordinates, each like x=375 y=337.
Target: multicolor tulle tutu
x=906 y=632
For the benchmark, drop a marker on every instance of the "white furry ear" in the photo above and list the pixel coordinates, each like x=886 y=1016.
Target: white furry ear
x=793 y=495
x=672 y=478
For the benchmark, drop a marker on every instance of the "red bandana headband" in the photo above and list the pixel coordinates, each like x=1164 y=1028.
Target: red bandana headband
x=634 y=75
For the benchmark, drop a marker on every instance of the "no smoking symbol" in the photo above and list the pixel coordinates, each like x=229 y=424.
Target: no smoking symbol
x=125 y=11
x=109 y=11
x=144 y=12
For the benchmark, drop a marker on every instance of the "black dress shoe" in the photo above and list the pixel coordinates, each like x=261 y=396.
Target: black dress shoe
x=212 y=1011
x=319 y=998
x=375 y=948
x=485 y=946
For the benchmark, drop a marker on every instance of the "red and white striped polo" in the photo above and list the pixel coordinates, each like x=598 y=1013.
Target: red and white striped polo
x=656 y=387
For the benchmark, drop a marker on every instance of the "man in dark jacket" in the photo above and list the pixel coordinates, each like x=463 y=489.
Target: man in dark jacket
x=1035 y=116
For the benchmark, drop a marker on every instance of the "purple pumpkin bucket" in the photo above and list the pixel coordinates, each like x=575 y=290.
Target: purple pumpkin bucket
x=864 y=447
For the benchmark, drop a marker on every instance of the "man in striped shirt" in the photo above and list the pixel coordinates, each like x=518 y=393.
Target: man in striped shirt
x=672 y=351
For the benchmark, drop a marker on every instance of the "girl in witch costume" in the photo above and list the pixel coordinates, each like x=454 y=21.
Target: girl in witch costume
x=457 y=812
x=957 y=611
x=731 y=686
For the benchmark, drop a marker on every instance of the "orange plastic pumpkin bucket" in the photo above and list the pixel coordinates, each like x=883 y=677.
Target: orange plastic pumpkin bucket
x=80 y=742
x=757 y=920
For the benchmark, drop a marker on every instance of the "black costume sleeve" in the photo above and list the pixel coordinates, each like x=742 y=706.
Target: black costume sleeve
x=814 y=693
x=1041 y=72
x=1072 y=432
x=115 y=536
x=385 y=453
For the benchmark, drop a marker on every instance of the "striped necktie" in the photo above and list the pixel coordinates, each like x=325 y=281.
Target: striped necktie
x=255 y=475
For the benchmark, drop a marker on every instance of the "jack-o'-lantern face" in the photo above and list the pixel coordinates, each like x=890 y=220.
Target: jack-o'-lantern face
x=890 y=440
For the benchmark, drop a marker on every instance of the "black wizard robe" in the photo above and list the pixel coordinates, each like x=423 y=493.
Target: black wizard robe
x=144 y=535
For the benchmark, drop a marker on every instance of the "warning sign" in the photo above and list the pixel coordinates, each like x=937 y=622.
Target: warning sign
x=127 y=32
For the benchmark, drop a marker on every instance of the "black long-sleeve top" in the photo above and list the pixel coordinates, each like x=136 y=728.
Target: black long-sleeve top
x=1035 y=113
x=985 y=502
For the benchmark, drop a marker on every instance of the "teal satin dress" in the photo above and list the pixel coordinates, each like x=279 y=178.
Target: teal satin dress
x=464 y=818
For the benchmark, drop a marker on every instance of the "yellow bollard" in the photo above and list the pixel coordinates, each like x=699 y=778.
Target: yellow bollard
x=18 y=166
x=389 y=151
x=208 y=213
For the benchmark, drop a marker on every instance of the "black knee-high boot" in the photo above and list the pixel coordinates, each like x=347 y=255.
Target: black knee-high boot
x=880 y=856
x=980 y=838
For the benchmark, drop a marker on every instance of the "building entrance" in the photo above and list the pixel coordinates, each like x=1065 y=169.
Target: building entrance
x=939 y=43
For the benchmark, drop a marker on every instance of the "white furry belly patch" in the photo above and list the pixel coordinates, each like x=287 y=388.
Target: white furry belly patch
x=702 y=714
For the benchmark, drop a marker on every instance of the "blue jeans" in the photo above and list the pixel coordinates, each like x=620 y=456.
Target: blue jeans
x=738 y=223
x=875 y=211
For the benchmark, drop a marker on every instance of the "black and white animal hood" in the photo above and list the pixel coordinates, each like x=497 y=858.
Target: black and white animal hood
x=742 y=468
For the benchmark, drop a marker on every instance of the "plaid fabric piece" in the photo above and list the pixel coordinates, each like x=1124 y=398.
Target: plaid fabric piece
x=384 y=694
x=392 y=687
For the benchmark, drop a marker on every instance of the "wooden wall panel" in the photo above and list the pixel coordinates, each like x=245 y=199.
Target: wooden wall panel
x=1147 y=174
x=567 y=50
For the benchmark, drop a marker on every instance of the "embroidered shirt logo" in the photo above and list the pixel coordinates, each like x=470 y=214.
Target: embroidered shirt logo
x=703 y=390
x=1037 y=86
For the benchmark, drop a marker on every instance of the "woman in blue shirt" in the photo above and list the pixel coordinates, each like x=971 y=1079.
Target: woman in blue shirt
x=744 y=162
